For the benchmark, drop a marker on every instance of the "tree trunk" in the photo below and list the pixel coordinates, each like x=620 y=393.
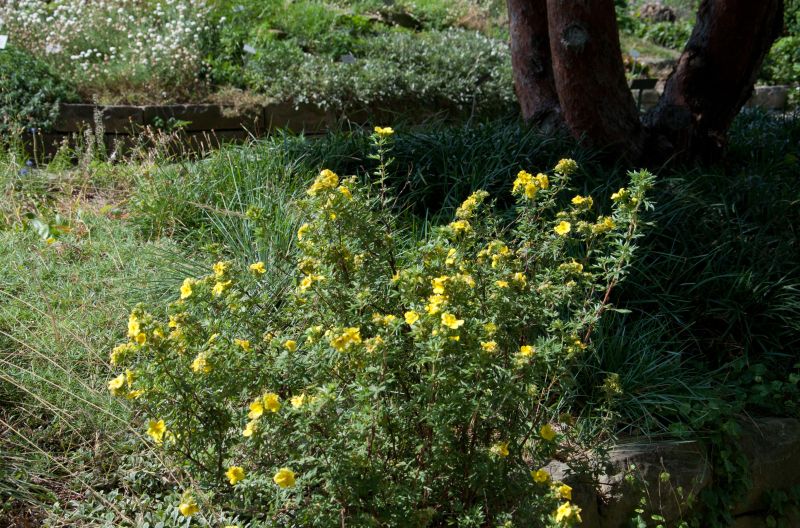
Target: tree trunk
x=714 y=76
x=590 y=76
x=531 y=64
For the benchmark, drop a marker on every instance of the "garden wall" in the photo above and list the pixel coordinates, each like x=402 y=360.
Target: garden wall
x=771 y=452
x=202 y=126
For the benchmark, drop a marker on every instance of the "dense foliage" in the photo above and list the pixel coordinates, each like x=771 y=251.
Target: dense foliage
x=397 y=383
x=30 y=93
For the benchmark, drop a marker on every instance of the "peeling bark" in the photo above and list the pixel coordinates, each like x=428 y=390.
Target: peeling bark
x=714 y=76
x=531 y=64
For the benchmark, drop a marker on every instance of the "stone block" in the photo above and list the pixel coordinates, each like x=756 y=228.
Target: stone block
x=204 y=117
x=115 y=119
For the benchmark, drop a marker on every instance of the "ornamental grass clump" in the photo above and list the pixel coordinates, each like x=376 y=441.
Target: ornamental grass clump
x=398 y=382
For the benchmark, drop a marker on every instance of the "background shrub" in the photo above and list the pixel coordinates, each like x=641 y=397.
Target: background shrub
x=30 y=92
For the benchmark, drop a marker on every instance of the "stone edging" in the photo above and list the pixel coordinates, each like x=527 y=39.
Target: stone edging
x=771 y=447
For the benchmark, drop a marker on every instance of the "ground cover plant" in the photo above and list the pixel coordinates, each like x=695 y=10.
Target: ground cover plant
x=681 y=364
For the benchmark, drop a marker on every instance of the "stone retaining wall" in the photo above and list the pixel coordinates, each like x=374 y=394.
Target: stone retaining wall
x=771 y=447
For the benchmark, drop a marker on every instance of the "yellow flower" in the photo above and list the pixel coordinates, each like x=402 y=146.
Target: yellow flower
x=540 y=476
x=250 y=428
x=524 y=179
x=256 y=409
x=349 y=337
x=243 y=343
x=302 y=231
x=438 y=284
x=450 y=321
x=467 y=208
x=501 y=284
x=272 y=402
x=500 y=449
x=571 y=267
x=563 y=228
x=220 y=268
x=200 y=363
x=116 y=384
x=345 y=192
x=133 y=326
x=435 y=303
x=568 y=512
x=604 y=224
x=583 y=201
x=156 y=430
x=460 y=226
x=489 y=346
x=235 y=474
x=564 y=492
x=384 y=320
x=284 y=478
x=526 y=350
x=384 y=131
x=411 y=317
x=547 y=432
x=219 y=288
x=140 y=338
x=542 y=181
x=290 y=345
x=188 y=508
x=372 y=344
x=326 y=180
x=298 y=401
x=520 y=279
x=118 y=353
x=566 y=167
x=258 y=268
x=621 y=194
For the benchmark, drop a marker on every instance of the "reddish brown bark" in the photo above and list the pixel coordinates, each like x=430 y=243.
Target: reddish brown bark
x=715 y=75
x=531 y=64
x=590 y=76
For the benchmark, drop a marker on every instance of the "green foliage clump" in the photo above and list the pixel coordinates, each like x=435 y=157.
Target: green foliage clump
x=30 y=93
x=452 y=68
x=782 y=65
x=396 y=383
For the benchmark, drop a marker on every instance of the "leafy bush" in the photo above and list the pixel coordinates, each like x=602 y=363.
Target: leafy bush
x=453 y=68
x=782 y=65
x=673 y=35
x=397 y=383
x=30 y=92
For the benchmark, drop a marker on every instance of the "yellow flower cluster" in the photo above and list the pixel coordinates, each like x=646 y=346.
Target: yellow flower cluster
x=583 y=202
x=135 y=331
x=347 y=339
x=460 y=226
x=156 y=429
x=384 y=132
x=500 y=449
x=285 y=478
x=547 y=433
x=566 y=167
x=326 y=181
x=568 y=512
x=468 y=207
x=528 y=185
x=563 y=228
x=200 y=365
x=258 y=268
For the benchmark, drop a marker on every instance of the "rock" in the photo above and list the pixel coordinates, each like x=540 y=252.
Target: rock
x=772 y=449
x=769 y=97
x=664 y=473
x=657 y=12
x=203 y=117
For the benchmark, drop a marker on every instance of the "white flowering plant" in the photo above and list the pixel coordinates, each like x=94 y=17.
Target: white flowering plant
x=398 y=382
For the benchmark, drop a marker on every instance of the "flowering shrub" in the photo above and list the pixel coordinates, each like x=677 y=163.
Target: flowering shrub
x=397 y=383
x=114 y=45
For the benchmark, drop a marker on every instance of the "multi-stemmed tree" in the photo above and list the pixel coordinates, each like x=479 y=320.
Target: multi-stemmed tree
x=568 y=72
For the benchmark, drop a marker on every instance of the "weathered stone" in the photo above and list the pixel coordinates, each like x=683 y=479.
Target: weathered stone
x=584 y=491
x=203 y=117
x=664 y=473
x=769 y=97
x=772 y=448
x=305 y=118
x=657 y=12
x=115 y=119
